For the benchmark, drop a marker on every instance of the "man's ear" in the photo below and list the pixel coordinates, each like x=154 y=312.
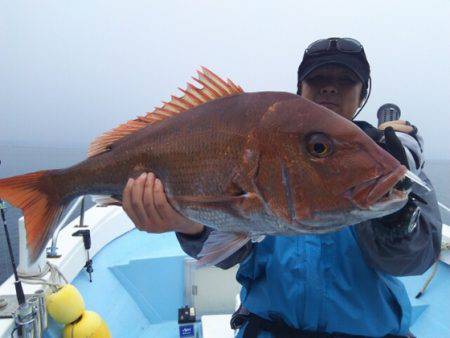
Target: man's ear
x=299 y=88
x=361 y=100
x=362 y=96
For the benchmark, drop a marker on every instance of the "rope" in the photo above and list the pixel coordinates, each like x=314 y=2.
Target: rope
x=444 y=246
x=55 y=280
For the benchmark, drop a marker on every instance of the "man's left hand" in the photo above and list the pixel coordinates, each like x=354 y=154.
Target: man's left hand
x=398 y=125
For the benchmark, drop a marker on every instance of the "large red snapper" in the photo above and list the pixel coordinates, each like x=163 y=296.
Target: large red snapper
x=246 y=164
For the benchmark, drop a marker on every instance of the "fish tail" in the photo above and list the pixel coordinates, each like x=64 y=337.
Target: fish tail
x=41 y=203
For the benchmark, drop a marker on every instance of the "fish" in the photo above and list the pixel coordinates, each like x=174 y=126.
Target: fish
x=245 y=164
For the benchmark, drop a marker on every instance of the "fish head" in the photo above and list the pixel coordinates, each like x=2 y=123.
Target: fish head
x=319 y=171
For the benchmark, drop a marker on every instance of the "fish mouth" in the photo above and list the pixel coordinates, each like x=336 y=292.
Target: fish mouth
x=378 y=192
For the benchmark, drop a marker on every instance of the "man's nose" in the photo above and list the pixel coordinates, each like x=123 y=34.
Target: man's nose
x=330 y=89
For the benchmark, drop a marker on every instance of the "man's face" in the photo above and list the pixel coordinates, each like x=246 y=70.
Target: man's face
x=334 y=87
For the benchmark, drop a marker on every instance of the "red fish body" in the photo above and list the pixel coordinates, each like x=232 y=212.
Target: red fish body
x=246 y=164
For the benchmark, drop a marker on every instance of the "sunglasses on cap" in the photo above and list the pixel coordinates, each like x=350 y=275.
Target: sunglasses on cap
x=344 y=45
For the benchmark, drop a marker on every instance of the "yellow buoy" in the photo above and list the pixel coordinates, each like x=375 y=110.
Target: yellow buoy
x=65 y=305
x=90 y=325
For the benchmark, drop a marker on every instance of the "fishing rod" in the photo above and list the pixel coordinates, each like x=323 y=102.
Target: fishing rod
x=26 y=315
x=17 y=283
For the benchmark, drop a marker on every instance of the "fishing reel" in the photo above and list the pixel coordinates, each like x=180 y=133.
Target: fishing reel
x=388 y=112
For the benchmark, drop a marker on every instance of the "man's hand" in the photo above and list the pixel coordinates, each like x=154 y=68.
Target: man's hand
x=411 y=140
x=145 y=202
x=399 y=125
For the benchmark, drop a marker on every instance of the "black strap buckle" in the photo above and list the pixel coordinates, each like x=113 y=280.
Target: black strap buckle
x=239 y=317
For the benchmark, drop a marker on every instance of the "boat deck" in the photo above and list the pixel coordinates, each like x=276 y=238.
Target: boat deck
x=140 y=297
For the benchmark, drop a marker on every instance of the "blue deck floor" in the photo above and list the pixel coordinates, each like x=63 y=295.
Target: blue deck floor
x=431 y=312
x=129 y=271
x=138 y=286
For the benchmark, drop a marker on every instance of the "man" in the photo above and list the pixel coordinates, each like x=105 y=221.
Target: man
x=339 y=284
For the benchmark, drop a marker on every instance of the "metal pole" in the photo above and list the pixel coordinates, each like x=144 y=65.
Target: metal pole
x=52 y=251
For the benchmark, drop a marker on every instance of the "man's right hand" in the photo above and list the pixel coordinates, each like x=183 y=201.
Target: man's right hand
x=145 y=202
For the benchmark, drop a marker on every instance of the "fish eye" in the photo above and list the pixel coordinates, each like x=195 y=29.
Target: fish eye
x=319 y=145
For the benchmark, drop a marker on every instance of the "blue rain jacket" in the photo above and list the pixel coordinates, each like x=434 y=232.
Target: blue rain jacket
x=322 y=283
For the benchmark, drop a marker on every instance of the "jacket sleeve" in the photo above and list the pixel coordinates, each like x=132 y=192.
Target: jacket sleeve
x=192 y=245
x=410 y=251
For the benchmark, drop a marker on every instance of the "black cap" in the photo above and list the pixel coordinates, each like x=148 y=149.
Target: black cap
x=354 y=60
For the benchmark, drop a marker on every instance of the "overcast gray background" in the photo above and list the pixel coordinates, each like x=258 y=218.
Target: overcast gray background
x=70 y=70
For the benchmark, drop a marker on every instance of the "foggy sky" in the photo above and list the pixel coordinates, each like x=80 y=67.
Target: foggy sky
x=70 y=70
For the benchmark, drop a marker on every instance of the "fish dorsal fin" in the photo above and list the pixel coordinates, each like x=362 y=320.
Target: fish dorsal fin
x=213 y=87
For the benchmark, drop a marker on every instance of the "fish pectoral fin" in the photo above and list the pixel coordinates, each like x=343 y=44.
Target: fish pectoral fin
x=242 y=205
x=104 y=201
x=219 y=246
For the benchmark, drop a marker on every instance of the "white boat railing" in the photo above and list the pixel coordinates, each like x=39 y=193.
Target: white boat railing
x=443 y=206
